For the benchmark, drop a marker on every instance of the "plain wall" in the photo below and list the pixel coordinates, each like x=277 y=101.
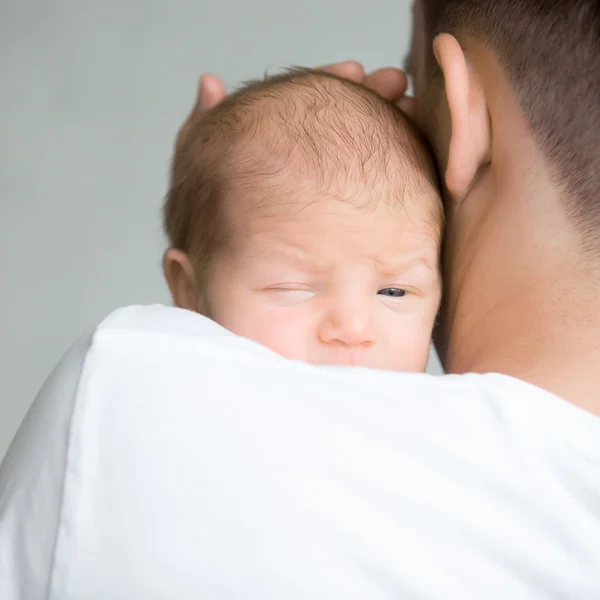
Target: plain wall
x=91 y=95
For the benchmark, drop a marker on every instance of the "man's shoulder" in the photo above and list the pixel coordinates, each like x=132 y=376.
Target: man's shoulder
x=166 y=348
x=159 y=333
x=244 y=463
x=157 y=319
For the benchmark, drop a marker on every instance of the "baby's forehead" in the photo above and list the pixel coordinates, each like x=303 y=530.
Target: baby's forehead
x=312 y=226
x=285 y=191
x=327 y=239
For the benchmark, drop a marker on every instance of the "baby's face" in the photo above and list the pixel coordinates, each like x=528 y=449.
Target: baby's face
x=328 y=282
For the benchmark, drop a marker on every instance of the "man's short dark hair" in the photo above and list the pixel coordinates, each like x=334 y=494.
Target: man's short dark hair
x=550 y=50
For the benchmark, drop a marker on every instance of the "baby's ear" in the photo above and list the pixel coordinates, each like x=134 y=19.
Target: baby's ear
x=470 y=140
x=181 y=279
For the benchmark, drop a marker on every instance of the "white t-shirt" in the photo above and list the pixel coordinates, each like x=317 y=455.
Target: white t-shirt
x=168 y=459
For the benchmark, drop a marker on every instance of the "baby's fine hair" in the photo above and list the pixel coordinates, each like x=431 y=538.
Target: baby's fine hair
x=303 y=130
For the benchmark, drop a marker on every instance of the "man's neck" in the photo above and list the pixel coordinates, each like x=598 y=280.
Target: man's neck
x=523 y=300
x=538 y=336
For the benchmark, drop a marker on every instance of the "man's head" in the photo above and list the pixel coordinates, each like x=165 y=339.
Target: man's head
x=303 y=213
x=508 y=93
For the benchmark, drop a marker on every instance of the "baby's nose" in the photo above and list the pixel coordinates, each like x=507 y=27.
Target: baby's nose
x=352 y=328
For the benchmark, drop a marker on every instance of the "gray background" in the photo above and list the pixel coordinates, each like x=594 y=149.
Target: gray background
x=91 y=94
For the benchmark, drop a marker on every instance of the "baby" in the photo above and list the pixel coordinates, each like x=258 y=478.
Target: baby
x=303 y=213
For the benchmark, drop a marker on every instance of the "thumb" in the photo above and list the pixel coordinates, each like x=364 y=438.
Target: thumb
x=211 y=91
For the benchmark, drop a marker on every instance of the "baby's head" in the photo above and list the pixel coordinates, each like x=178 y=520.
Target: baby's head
x=304 y=213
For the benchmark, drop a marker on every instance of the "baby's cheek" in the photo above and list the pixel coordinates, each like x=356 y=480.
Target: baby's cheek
x=408 y=343
x=285 y=331
x=413 y=358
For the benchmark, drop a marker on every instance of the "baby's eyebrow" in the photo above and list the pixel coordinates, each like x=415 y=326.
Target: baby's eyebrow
x=402 y=266
x=307 y=262
x=296 y=256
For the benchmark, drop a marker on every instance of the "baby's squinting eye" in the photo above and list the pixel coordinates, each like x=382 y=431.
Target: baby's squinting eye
x=288 y=295
x=290 y=289
x=392 y=292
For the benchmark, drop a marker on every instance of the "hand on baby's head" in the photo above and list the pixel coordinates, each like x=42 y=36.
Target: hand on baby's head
x=390 y=83
x=303 y=213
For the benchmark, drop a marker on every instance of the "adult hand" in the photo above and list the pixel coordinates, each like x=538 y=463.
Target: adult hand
x=389 y=82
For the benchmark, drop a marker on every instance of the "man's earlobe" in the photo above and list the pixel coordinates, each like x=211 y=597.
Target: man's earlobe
x=470 y=139
x=181 y=278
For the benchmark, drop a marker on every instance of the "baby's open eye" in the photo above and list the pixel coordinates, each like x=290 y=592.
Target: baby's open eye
x=392 y=292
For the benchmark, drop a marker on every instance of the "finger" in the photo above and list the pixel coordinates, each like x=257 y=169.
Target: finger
x=211 y=91
x=389 y=82
x=349 y=69
x=407 y=105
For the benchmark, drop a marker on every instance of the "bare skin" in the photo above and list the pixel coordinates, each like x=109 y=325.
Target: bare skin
x=521 y=297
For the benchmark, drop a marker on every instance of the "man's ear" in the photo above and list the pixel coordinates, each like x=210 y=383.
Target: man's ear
x=470 y=140
x=181 y=278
